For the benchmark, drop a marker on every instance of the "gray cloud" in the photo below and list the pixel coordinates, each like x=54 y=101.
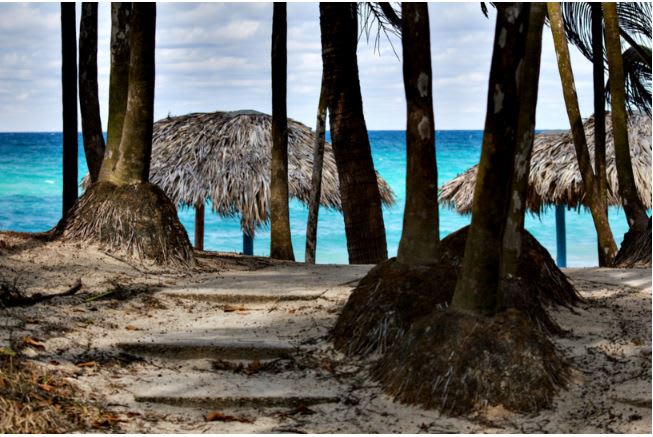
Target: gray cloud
x=213 y=56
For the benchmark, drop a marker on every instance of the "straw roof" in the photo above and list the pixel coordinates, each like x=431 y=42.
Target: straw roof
x=225 y=157
x=555 y=178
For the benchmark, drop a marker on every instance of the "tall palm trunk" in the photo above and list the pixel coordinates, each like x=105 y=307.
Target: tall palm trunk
x=477 y=287
x=590 y=183
x=528 y=90
x=280 y=241
x=420 y=233
x=599 y=111
x=136 y=141
x=118 y=84
x=69 y=98
x=359 y=192
x=635 y=210
x=316 y=179
x=89 y=104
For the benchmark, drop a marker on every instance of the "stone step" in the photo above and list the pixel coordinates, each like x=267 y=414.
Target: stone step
x=212 y=349
x=212 y=390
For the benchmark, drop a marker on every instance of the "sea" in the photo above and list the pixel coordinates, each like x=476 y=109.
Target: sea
x=31 y=182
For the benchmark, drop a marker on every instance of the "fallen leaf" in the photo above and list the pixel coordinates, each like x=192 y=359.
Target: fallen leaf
x=54 y=362
x=231 y=308
x=292 y=311
x=132 y=414
x=131 y=328
x=302 y=409
x=33 y=342
x=46 y=387
x=253 y=367
x=108 y=420
x=87 y=364
x=216 y=416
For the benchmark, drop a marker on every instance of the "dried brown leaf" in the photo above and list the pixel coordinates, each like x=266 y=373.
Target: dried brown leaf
x=216 y=416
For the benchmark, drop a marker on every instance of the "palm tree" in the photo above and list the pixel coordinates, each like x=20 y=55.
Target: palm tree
x=420 y=233
x=361 y=202
x=528 y=89
x=596 y=203
x=477 y=286
x=635 y=210
x=118 y=84
x=88 y=90
x=280 y=241
x=69 y=96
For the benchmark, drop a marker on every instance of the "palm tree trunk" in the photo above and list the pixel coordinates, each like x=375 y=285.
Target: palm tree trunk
x=420 y=233
x=528 y=90
x=359 y=192
x=477 y=287
x=635 y=211
x=118 y=84
x=590 y=183
x=136 y=142
x=89 y=104
x=599 y=112
x=316 y=179
x=280 y=241
x=69 y=97
x=199 y=226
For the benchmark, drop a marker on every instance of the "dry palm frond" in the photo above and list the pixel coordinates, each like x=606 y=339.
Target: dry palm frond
x=554 y=176
x=225 y=157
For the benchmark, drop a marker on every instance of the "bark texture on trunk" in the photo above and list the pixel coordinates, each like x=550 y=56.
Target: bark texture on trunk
x=635 y=210
x=316 y=178
x=280 y=241
x=420 y=233
x=199 y=226
x=528 y=87
x=89 y=103
x=590 y=182
x=599 y=111
x=136 y=141
x=477 y=286
x=359 y=192
x=69 y=100
x=118 y=84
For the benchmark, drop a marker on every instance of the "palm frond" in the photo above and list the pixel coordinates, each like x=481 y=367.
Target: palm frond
x=638 y=82
x=380 y=19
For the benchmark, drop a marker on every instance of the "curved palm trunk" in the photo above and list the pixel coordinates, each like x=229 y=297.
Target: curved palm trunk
x=89 y=104
x=528 y=89
x=590 y=184
x=420 y=233
x=136 y=141
x=316 y=178
x=118 y=84
x=477 y=287
x=69 y=96
x=635 y=211
x=359 y=192
x=280 y=241
x=599 y=111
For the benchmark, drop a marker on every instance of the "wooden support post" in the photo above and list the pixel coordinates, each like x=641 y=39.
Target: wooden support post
x=561 y=236
x=248 y=244
x=199 y=227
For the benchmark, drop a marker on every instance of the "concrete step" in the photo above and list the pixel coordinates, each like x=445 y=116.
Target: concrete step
x=212 y=349
x=225 y=390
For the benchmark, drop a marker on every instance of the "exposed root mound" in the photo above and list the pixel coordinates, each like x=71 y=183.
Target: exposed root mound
x=458 y=363
x=392 y=295
x=635 y=250
x=137 y=219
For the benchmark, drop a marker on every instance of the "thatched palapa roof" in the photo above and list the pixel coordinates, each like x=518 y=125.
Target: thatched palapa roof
x=225 y=157
x=555 y=178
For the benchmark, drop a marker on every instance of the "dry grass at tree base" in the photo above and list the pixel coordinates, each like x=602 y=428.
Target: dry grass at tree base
x=32 y=401
x=392 y=296
x=635 y=251
x=135 y=219
x=459 y=363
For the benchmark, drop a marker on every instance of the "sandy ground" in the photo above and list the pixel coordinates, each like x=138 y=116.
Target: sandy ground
x=608 y=345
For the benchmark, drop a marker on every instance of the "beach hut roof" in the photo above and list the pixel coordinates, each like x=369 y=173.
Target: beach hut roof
x=225 y=157
x=554 y=177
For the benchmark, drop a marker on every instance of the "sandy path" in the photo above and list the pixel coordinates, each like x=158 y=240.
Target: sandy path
x=609 y=345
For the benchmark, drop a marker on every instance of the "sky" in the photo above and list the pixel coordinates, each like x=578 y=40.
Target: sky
x=216 y=56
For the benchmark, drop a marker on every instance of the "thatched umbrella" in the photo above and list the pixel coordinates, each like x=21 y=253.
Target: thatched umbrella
x=225 y=157
x=555 y=179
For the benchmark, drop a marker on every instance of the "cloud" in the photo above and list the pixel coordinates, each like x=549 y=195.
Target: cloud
x=213 y=56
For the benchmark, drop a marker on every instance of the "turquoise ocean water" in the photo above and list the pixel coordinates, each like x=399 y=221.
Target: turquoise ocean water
x=30 y=199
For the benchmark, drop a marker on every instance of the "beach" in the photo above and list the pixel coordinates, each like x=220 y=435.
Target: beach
x=155 y=347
